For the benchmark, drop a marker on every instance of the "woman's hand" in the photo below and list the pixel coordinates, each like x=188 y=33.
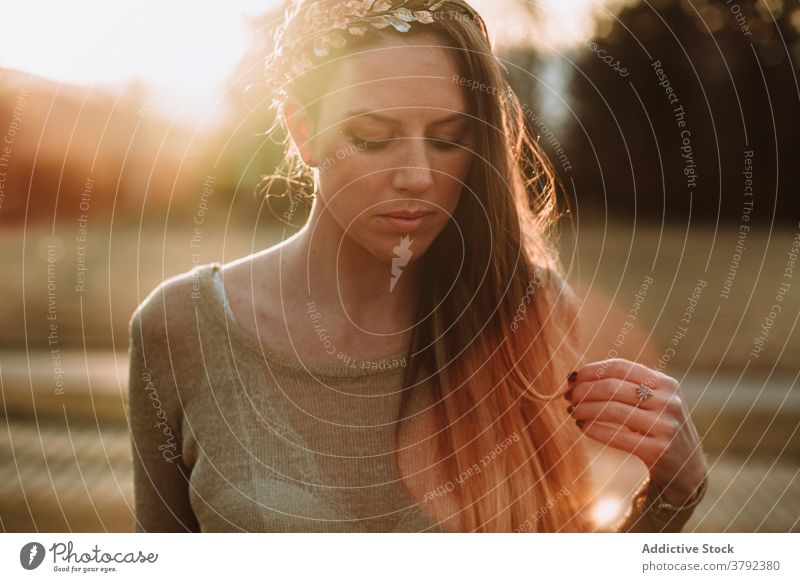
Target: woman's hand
x=654 y=425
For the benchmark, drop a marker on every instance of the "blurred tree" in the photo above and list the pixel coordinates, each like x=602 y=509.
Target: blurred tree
x=733 y=68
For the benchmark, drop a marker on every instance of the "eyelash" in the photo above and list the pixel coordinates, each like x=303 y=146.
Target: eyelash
x=442 y=144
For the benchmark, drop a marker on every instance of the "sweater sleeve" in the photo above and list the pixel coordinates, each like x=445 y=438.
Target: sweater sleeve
x=160 y=478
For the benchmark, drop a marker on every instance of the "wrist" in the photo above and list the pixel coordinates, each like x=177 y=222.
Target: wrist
x=678 y=499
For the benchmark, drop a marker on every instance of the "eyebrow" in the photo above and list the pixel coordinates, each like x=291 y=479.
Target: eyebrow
x=392 y=121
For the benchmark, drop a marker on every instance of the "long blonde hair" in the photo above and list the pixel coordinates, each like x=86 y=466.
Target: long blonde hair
x=498 y=331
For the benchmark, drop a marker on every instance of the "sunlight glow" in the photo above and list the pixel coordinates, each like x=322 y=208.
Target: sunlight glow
x=179 y=48
x=607 y=510
x=549 y=25
x=184 y=50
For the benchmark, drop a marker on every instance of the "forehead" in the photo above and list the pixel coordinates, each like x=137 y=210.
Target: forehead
x=415 y=73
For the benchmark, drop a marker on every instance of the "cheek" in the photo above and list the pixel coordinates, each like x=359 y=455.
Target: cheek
x=450 y=180
x=350 y=186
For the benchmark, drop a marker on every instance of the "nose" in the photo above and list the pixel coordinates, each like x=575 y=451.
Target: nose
x=412 y=171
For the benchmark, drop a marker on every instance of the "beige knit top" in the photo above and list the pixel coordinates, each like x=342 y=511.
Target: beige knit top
x=229 y=435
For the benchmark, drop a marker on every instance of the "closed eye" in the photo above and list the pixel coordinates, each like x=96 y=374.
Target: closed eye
x=446 y=144
x=364 y=144
x=373 y=145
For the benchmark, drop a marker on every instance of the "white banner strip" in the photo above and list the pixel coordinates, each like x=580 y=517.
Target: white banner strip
x=400 y=557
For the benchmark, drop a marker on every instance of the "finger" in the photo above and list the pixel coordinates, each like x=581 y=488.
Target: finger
x=636 y=419
x=625 y=370
x=623 y=439
x=617 y=390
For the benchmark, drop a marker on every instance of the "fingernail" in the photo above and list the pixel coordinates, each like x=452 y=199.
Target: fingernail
x=568 y=394
x=570 y=408
x=572 y=376
x=579 y=423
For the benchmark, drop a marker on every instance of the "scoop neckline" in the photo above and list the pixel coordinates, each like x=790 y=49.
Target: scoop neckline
x=211 y=306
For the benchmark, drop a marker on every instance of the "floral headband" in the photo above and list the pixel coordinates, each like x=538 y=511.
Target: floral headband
x=326 y=25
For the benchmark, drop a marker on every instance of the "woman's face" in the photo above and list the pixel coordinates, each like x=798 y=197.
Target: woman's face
x=393 y=135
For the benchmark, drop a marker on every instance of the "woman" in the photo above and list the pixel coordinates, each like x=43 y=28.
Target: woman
x=262 y=397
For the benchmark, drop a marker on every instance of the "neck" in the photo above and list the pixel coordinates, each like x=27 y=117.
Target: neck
x=346 y=282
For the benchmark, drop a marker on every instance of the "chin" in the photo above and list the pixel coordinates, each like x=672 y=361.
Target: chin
x=387 y=249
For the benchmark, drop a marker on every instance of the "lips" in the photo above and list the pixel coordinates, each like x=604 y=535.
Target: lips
x=405 y=215
x=406 y=222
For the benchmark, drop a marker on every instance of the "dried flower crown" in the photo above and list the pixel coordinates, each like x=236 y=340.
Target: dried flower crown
x=320 y=28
